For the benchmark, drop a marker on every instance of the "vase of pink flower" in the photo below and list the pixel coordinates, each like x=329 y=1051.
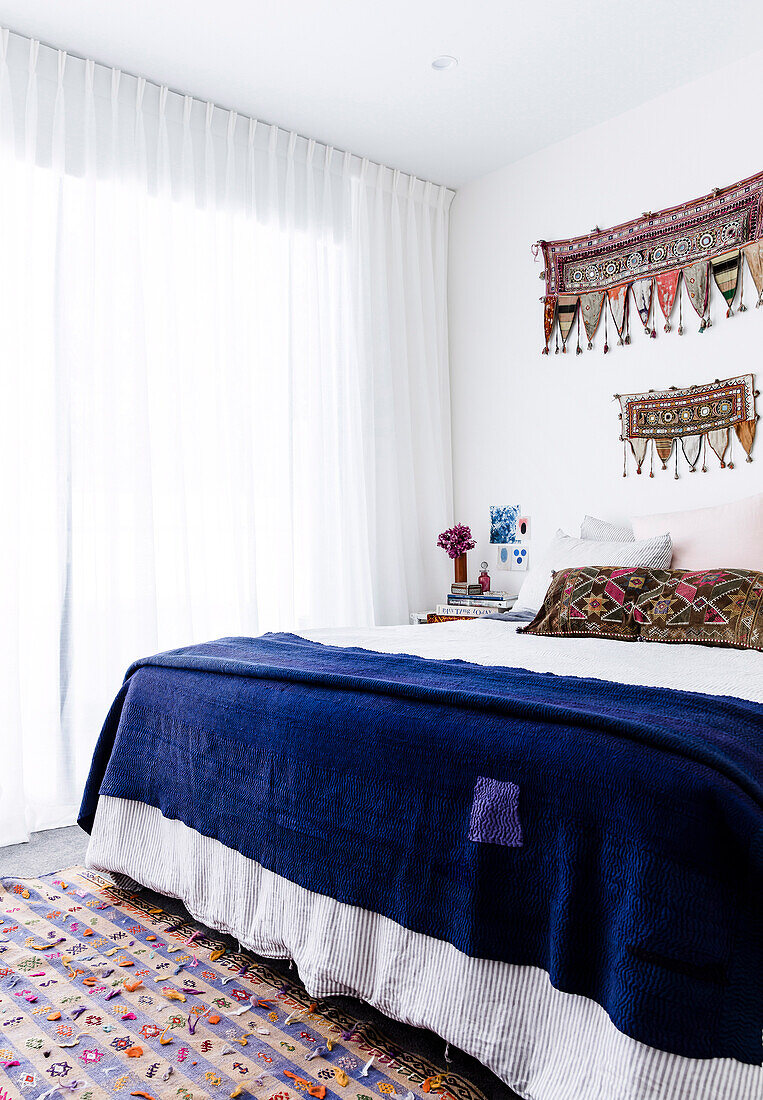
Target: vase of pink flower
x=455 y=542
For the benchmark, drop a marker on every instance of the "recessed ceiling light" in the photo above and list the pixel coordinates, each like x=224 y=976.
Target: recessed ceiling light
x=444 y=61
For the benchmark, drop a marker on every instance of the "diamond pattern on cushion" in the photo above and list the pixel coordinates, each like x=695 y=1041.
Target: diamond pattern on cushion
x=722 y=607
x=594 y=600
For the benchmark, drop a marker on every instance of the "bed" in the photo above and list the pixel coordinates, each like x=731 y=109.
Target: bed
x=266 y=783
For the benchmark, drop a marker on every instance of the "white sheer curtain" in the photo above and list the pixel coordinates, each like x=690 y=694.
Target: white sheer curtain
x=225 y=409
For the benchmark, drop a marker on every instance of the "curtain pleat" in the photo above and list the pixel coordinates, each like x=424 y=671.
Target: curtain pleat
x=225 y=396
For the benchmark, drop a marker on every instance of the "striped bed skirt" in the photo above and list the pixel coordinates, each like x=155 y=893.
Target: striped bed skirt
x=545 y=1044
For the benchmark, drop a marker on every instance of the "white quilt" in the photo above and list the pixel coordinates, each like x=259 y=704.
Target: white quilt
x=707 y=669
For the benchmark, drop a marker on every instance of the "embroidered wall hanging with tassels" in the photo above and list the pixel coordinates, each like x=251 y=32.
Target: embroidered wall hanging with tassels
x=652 y=261
x=689 y=420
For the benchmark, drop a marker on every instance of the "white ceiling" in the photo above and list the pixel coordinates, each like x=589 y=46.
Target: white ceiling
x=357 y=74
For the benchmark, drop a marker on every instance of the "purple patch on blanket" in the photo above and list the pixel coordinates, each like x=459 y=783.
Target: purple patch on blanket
x=495 y=813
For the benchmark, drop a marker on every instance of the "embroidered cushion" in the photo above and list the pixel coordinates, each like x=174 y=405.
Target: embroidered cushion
x=602 y=531
x=594 y=601
x=566 y=552
x=720 y=607
x=711 y=538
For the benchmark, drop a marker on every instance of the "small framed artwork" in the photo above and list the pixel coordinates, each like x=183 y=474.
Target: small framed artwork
x=503 y=522
x=518 y=557
x=503 y=557
x=523 y=527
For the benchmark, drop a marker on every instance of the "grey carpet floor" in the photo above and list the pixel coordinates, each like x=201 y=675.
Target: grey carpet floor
x=52 y=850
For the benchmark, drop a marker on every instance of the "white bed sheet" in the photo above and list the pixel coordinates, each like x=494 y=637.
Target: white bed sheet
x=707 y=669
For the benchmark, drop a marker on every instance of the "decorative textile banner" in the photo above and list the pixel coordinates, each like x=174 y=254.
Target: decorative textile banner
x=565 y=313
x=642 y=294
x=726 y=273
x=618 y=303
x=667 y=286
x=590 y=309
x=706 y=236
x=695 y=416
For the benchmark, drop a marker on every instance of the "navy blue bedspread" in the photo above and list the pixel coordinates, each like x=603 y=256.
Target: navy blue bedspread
x=631 y=875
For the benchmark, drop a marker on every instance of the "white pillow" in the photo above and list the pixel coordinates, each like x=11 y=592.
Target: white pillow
x=601 y=531
x=566 y=552
x=729 y=536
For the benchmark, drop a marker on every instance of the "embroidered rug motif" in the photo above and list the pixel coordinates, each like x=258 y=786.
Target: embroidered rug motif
x=705 y=236
x=103 y=994
x=697 y=415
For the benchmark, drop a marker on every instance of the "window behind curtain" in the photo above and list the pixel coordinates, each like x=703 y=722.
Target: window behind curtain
x=224 y=372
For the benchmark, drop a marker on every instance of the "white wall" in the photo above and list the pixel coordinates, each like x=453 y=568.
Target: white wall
x=543 y=431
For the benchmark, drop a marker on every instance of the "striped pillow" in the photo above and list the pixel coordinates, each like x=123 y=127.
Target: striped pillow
x=601 y=531
x=566 y=552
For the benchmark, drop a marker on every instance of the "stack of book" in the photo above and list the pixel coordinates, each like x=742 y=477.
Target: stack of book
x=468 y=601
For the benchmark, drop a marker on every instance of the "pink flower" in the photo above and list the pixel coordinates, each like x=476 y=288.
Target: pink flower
x=456 y=540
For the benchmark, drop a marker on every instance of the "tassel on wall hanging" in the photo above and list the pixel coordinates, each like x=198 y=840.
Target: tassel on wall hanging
x=655 y=259
x=689 y=421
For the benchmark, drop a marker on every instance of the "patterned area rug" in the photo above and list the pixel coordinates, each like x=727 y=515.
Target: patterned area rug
x=103 y=993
